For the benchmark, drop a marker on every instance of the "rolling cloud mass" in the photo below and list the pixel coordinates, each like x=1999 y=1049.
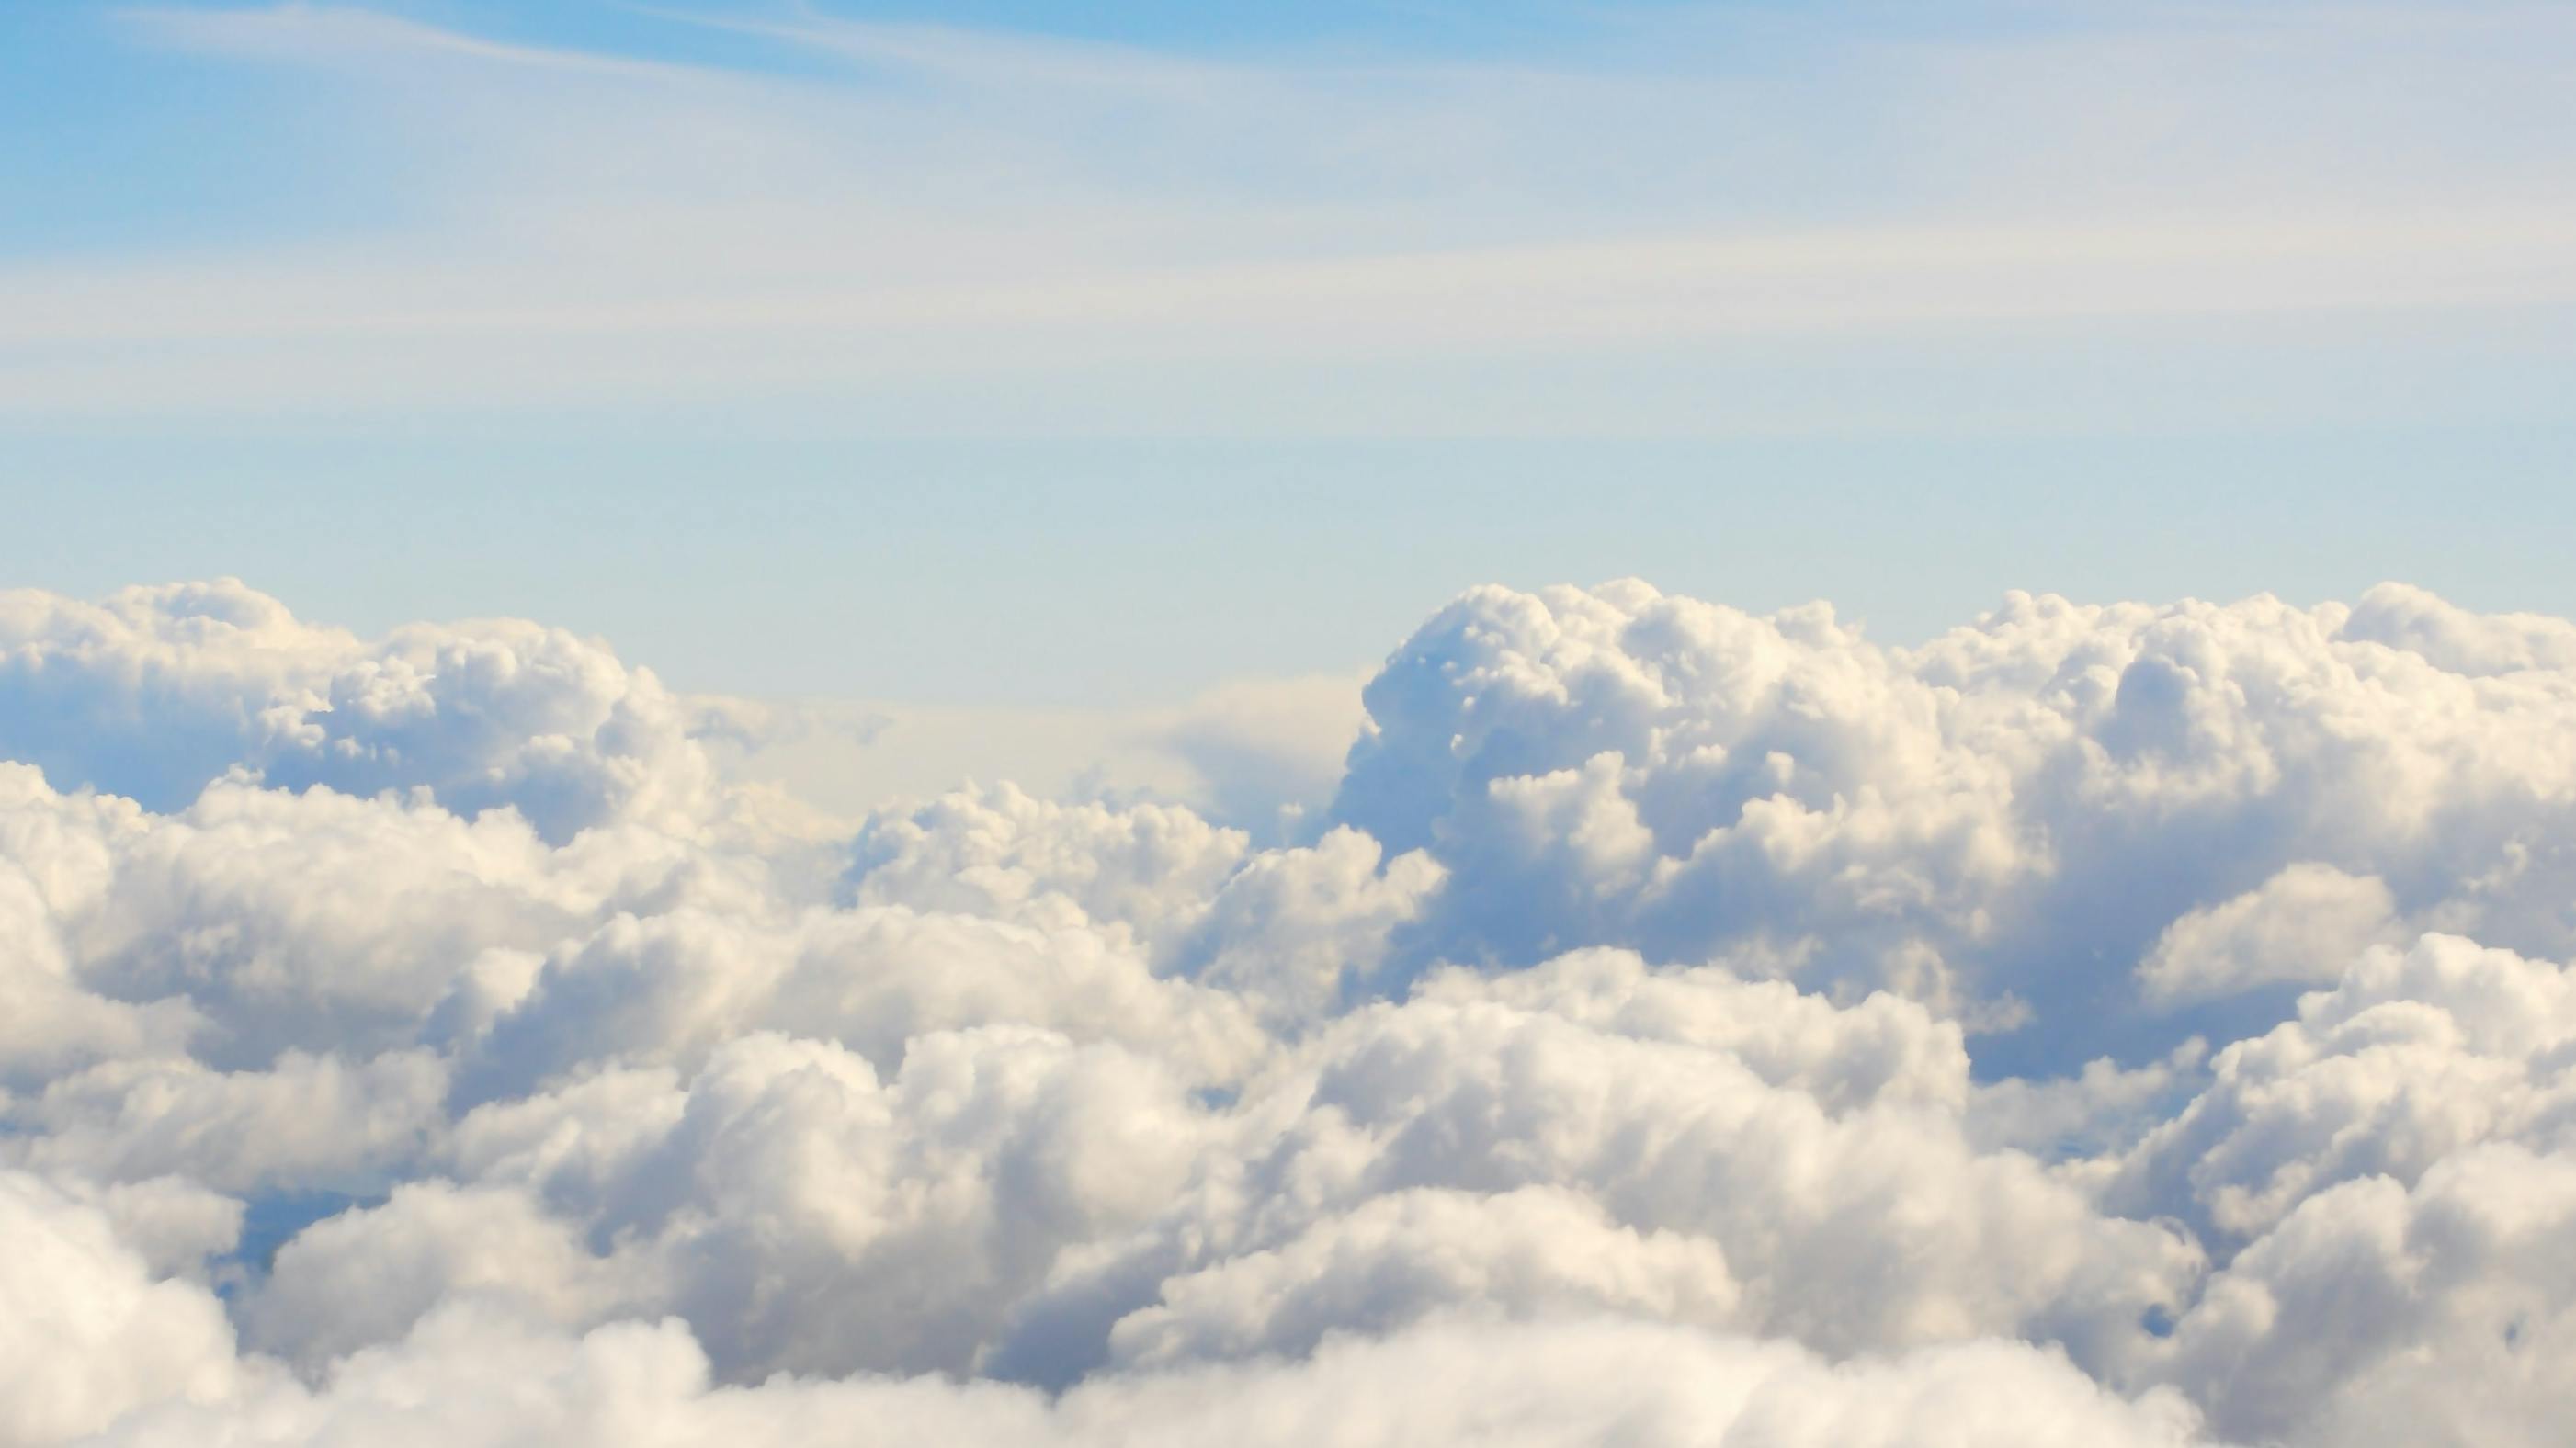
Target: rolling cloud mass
x=2123 y=1024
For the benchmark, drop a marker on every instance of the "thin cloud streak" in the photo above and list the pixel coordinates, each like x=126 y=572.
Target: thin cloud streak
x=1014 y=211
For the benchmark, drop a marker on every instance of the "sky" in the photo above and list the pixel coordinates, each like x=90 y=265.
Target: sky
x=734 y=721
x=740 y=332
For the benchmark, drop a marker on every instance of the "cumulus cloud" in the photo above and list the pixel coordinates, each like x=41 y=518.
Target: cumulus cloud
x=1789 y=1188
x=154 y=692
x=2008 y=821
x=2300 y=926
x=2117 y=1024
x=2376 y=1313
x=88 y=1333
x=473 y=1374
x=2412 y=1057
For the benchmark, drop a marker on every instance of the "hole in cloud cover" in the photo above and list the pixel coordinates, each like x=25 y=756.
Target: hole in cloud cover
x=2140 y=1023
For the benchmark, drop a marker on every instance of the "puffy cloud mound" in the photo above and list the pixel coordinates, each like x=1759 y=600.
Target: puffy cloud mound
x=156 y=691
x=2009 y=821
x=2127 y=1024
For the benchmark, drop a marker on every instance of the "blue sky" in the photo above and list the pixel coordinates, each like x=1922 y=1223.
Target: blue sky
x=1032 y=355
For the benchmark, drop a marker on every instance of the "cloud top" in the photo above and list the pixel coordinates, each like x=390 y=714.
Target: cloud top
x=2127 y=1023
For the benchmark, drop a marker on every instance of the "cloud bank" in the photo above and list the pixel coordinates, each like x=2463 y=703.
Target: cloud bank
x=2121 y=1024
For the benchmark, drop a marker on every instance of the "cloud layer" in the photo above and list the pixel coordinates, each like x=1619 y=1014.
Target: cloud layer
x=2124 y=1024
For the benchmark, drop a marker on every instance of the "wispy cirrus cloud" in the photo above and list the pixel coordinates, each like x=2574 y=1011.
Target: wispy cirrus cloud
x=954 y=219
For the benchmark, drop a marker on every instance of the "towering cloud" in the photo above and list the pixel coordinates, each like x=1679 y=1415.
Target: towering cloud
x=2122 y=1024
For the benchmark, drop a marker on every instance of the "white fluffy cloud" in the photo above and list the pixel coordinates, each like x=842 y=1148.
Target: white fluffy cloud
x=156 y=691
x=2111 y=1024
x=87 y=1333
x=2301 y=926
x=478 y=1374
x=2005 y=820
